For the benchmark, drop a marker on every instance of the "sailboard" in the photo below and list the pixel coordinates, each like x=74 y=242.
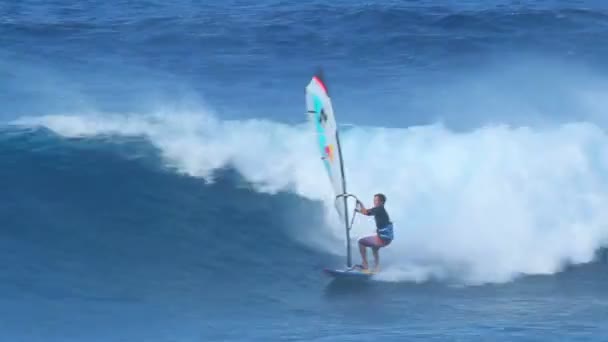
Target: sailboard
x=320 y=113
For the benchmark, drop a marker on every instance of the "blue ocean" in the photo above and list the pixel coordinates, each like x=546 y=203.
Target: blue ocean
x=159 y=180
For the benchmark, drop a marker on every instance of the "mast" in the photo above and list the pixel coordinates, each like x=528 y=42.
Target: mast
x=344 y=198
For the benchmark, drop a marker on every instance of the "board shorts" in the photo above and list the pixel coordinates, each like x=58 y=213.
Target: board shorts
x=383 y=238
x=374 y=241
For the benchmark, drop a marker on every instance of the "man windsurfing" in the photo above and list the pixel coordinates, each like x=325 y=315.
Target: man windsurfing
x=384 y=230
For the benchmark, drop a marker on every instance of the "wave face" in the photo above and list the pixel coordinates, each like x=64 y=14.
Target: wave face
x=481 y=206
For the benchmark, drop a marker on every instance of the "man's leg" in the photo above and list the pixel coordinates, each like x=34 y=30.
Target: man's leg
x=363 y=251
x=368 y=241
x=379 y=243
x=376 y=258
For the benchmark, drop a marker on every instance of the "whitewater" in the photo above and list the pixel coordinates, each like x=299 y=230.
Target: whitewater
x=486 y=205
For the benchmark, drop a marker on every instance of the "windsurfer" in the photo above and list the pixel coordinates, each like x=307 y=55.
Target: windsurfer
x=384 y=230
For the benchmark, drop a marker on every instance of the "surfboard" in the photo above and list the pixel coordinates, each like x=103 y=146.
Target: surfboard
x=349 y=273
x=320 y=113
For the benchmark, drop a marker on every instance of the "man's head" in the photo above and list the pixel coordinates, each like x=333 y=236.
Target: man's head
x=379 y=199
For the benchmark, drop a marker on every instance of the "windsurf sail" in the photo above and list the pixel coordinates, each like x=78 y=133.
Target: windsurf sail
x=321 y=115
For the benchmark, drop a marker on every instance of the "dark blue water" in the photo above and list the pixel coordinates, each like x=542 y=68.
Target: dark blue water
x=158 y=181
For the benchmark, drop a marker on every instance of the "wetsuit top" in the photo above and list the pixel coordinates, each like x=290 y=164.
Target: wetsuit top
x=384 y=226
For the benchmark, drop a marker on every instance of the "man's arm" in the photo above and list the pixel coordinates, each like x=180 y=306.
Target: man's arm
x=363 y=210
